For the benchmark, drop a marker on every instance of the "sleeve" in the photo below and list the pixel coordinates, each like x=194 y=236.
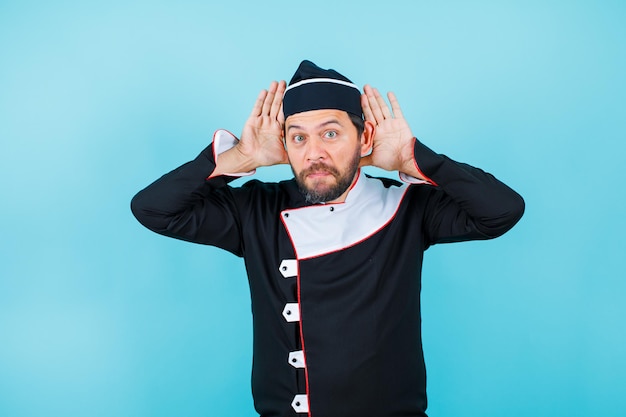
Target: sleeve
x=466 y=202
x=186 y=204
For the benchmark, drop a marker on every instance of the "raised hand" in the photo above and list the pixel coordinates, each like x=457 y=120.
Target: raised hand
x=261 y=138
x=393 y=140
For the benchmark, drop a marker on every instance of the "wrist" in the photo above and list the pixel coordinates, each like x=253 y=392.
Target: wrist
x=229 y=157
x=408 y=163
x=243 y=160
x=407 y=156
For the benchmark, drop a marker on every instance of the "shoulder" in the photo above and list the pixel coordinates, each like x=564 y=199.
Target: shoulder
x=385 y=182
x=412 y=195
x=284 y=193
x=268 y=187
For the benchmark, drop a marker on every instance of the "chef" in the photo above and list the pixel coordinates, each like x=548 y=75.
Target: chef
x=333 y=256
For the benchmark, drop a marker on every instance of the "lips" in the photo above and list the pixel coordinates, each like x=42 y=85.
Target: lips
x=315 y=174
x=319 y=170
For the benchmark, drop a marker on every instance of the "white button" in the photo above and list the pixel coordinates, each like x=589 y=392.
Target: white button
x=291 y=312
x=300 y=403
x=289 y=268
x=296 y=359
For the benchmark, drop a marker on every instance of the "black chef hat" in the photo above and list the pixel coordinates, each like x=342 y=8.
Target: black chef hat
x=314 y=88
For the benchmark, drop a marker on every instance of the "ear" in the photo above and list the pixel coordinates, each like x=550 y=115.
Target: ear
x=367 y=138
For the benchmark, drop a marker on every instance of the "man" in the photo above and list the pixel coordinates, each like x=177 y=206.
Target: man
x=333 y=256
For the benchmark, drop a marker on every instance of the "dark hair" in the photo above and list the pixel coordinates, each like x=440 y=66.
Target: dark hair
x=358 y=122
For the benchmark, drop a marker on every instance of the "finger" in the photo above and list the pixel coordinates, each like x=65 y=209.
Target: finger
x=277 y=101
x=267 y=103
x=395 y=106
x=258 y=105
x=383 y=105
x=365 y=161
x=373 y=104
x=367 y=110
x=281 y=115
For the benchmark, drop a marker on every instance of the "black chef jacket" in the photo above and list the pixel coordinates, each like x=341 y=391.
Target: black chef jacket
x=335 y=288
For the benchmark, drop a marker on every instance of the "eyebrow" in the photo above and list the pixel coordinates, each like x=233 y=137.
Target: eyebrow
x=326 y=123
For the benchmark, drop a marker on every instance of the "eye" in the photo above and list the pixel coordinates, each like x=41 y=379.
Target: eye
x=331 y=134
x=298 y=138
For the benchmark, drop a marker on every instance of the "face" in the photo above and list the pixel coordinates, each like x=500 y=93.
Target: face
x=324 y=152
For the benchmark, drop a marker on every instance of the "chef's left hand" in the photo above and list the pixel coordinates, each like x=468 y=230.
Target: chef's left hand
x=393 y=140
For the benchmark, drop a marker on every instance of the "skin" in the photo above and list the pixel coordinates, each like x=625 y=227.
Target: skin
x=324 y=152
x=321 y=158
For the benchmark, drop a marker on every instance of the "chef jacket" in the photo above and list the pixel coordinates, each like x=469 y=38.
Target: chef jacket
x=335 y=288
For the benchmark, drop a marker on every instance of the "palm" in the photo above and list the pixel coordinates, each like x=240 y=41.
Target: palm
x=261 y=138
x=389 y=142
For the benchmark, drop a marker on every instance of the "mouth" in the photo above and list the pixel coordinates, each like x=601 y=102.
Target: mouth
x=320 y=170
x=318 y=174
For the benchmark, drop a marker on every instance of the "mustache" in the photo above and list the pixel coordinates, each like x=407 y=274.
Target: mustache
x=317 y=167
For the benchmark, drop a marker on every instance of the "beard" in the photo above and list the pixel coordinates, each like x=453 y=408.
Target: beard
x=320 y=193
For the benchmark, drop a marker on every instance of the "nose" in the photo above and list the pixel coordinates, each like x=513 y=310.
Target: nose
x=315 y=149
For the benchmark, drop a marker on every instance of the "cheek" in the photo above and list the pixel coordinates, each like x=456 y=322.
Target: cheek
x=295 y=159
x=348 y=152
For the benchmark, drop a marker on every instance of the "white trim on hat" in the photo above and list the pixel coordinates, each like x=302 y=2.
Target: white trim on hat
x=321 y=80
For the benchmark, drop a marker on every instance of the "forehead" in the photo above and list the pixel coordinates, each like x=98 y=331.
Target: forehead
x=316 y=117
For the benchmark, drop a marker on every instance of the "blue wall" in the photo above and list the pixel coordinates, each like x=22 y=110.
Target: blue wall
x=99 y=317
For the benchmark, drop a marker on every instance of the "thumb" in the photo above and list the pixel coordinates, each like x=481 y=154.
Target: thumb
x=366 y=161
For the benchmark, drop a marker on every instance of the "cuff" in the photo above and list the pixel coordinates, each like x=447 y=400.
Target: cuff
x=223 y=140
x=412 y=180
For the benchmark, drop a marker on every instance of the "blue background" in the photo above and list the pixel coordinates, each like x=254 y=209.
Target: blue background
x=100 y=317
